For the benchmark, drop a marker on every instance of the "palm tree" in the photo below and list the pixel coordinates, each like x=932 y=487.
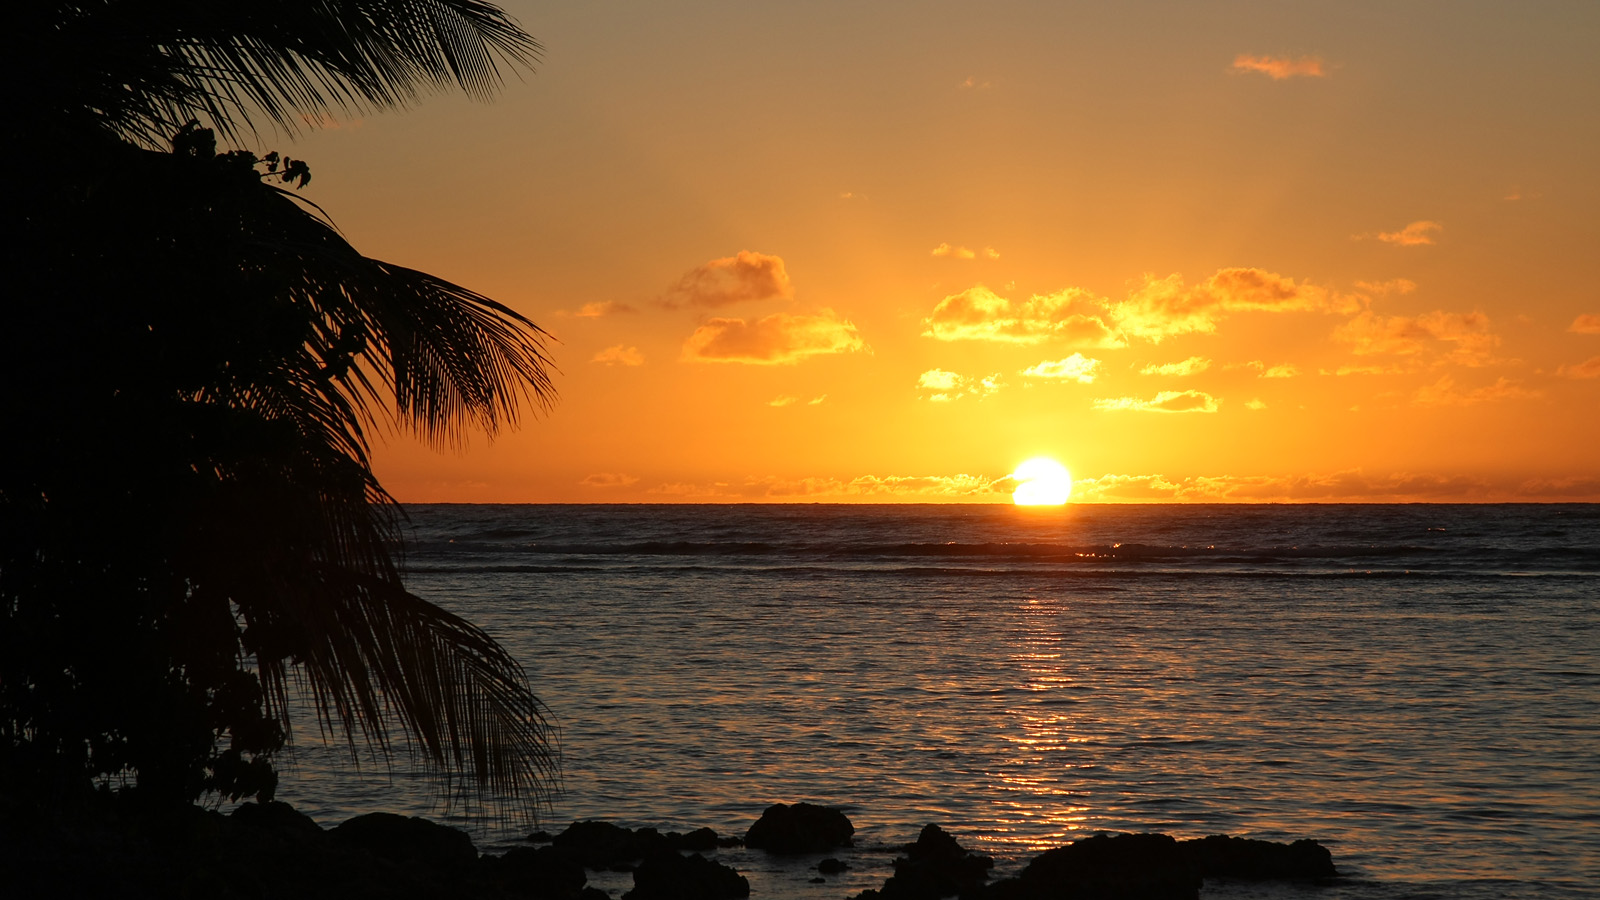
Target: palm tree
x=192 y=358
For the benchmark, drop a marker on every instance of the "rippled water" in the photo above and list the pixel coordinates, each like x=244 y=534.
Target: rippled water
x=1418 y=687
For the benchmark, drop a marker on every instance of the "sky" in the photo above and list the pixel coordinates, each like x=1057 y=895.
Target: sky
x=886 y=252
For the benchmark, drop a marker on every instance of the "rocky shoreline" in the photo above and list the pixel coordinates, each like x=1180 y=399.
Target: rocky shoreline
x=272 y=851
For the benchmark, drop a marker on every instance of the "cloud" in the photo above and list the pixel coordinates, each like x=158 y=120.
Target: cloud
x=1156 y=309
x=1392 y=286
x=862 y=488
x=1166 y=401
x=1589 y=368
x=609 y=480
x=1076 y=367
x=991 y=253
x=1164 y=307
x=790 y=400
x=1280 y=67
x=772 y=340
x=954 y=252
x=947 y=386
x=1417 y=234
x=974 y=84
x=619 y=355
x=1255 y=404
x=1072 y=315
x=1194 y=365
x=1284 y=371
x=602 y=309
x=1444 y=393
x=733 y=279
x=1467 y=334
x=1588 y=323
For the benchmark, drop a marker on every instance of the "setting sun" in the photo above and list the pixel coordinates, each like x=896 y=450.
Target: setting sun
x=1041 y=481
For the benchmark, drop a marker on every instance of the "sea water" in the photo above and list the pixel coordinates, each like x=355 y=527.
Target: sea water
x=1415 y=686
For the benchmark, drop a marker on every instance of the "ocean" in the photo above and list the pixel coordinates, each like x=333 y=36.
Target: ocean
x=1415 y=686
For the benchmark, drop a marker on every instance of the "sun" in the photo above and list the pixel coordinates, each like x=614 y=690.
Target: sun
x=1041 y=481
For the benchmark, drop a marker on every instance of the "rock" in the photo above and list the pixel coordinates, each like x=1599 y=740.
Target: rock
x=669 y=876
x=600 y=845
x=404 y=839
x=698 y=839
x=1222 y=856
x=1105 y=867
x=936 y=866
x=276 y=816
x=539 y=837
x=831 y=866
x=541 y=873
x=799 y=828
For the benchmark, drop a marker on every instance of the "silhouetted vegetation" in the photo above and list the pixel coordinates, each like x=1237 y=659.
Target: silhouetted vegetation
x=192 y=360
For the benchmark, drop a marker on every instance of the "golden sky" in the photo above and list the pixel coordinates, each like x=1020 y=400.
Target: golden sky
x=885 y=252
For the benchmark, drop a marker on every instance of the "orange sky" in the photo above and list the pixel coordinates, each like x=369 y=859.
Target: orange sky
x=822 y=252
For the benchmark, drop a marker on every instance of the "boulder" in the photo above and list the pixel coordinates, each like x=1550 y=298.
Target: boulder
x=1106 y=867
x=275 y=815
x=404 y=839
x=540 y=873
x=669 y=876
x=601 y=845
x=1222 y=856
x=831 y=866
x=698 y=839
x=800 y=828
x=936 y=866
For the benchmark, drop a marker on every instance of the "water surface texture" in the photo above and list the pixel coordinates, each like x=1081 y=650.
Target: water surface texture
x=1418 y=687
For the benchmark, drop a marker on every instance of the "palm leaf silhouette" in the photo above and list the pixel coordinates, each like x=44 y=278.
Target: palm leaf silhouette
x=243 y=349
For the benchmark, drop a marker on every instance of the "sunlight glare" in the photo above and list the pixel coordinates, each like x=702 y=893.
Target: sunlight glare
x=1041 y=482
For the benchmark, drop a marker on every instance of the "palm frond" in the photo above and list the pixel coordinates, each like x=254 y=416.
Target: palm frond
x=144 y=67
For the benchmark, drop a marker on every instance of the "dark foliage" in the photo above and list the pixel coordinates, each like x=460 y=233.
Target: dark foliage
x=191 y=360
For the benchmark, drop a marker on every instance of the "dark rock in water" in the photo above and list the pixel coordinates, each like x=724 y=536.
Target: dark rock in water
x=1105 y=867
x=800 y=828
x=817 y=880
x=698 y=839
x=404 y=839
x=276 y=816
x=831 y=866
x=539 y=837
x=538 y=873
x=668 y=876
x=731 y=840
x=1222 y=856
x=600 y=845
x=933 y=867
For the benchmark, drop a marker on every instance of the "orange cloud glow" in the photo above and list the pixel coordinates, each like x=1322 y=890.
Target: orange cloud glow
x=1194 y=365
x=1588 y=323
x=1445 y=393
x=609 y=480
x=1280 y=67
x=1589 y=368
x=1072 y=316
x=1166 y=401
x=1284 y=371
x=1417 y=234
x=947 y=386
x=742 y=277
x=777 y=339
x=602 y=309
x=1467 y=334
x=619 y=355
x=1076 y=367
x=954 y=252
x=1165 y=307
